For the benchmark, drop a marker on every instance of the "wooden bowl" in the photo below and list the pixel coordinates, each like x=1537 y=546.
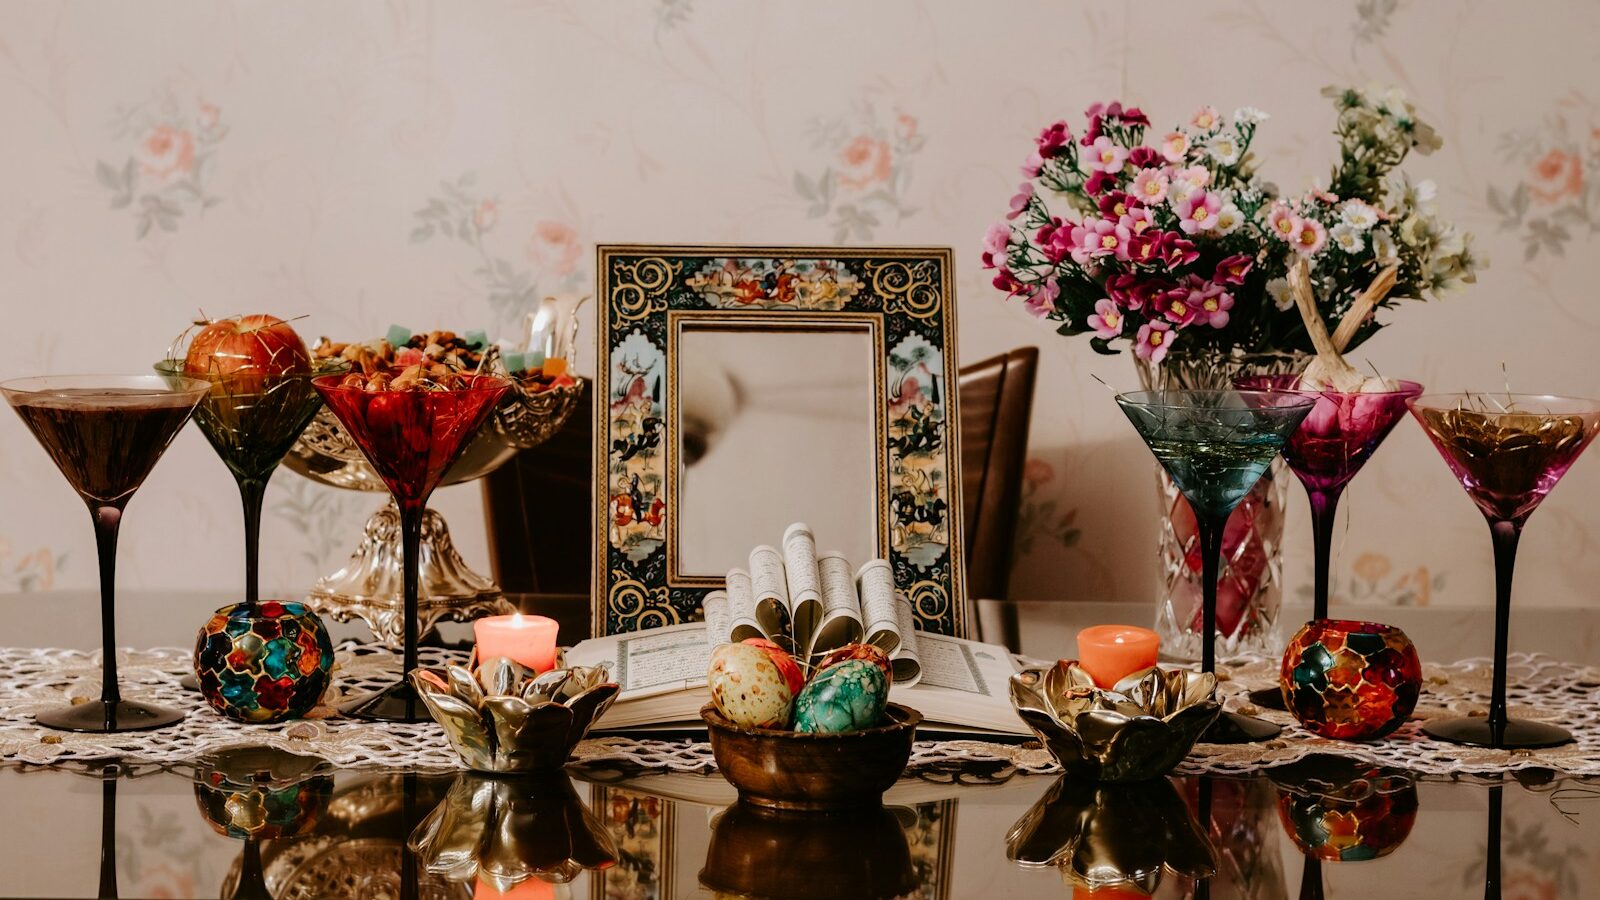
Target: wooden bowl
x=791 y=770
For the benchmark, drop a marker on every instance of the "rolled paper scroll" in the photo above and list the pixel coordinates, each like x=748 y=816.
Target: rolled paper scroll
x=841 y=611
x=804 y=582
x=907 y=662
x=719 y=617
x=875 y=582
x=741 y=607
x=771 y=590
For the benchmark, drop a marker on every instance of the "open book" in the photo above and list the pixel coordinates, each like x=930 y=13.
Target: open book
x=811 y=604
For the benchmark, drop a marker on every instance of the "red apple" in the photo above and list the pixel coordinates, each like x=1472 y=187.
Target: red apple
x=245 y=352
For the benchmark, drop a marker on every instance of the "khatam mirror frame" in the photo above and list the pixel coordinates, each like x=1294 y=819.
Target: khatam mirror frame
x=648 y=292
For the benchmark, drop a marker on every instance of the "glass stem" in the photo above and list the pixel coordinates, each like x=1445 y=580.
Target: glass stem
x=411 y=544
x=1505 y=533
x=1311 y=879
x=252 y=491
x=108 y=836
x=1491 y=864
x=1323 y=506
x=1210 y=530
x=107 y=519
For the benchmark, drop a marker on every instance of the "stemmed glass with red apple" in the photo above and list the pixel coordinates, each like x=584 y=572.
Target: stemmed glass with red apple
x=411 y=426
x=260 y=400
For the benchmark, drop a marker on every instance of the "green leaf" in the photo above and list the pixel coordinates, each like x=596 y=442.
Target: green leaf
x=107 y=176
x=803 y=187
x=1103 y=347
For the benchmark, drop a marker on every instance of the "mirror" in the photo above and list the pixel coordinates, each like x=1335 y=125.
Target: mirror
x=739 y=389
x=774 y=427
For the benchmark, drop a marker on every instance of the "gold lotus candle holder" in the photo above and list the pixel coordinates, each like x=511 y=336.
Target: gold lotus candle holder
x=502 y=717
x=1135 y=731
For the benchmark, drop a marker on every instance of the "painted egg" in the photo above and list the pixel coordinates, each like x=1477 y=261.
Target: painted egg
x=747 y=688
x=868 y=652
x=787 y=667
x=847 y=697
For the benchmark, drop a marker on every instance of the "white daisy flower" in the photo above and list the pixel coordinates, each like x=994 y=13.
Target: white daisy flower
x=1278 y=290
x=1249 y=115
x=1229 y=218
x=1383 y=246
x=1224 y=148
x=1347 y=238
x=1358 y=215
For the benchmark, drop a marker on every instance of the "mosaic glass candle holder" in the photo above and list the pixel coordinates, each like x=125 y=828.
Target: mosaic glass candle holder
x=1350 y=680
x=263 y=662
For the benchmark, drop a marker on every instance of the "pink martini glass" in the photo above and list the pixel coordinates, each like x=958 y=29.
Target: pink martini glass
x=410 y=437
x=1336 y=439
x=1508 y=451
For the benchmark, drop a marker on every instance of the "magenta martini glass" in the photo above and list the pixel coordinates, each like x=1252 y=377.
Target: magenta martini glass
x=1336 y=439
x=105 y=433
x=411 y=437
x=1216 y=445
x=1508 y=451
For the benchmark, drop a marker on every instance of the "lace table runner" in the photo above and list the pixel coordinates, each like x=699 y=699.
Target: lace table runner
x=1542 y=688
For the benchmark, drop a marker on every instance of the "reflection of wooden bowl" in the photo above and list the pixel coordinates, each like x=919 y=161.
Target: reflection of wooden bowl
x=761 y=852
x=790 y=770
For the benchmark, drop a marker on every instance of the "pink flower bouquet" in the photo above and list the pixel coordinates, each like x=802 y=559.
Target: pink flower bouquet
x=1178 y=243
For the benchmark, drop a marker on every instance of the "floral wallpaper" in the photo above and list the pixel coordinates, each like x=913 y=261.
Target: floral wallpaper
x=446 y=165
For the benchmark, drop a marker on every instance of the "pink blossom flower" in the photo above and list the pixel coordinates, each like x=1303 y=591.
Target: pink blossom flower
x=1176 y=250
x=1233 y=269
x=1006 y=280
x=996 y=241
x=1309 y=238
x=1116 y=204
x=905 y=127
x=1143 y=157
x=1282 y=221
x=865 y=161
x=555 y=246
x=1036 y=472
x=1194 y=176
x=1144 y=247
x=1019 y=201
x=1214 y=309
x=1121 y=287
x=1106 y=156
x=1206 y=301
x=1133 y=115
x=1104 y=238
x=1197 y=211
x=1153 y=341
x=1176 y=306
x=484 y=217
x=1107 y=319
x=1041 y=301
x=166 y=153
x=1174 y=146
x=1206 y=118
x=1033 y=165
x=1150 y=185
x=1137 y=220
x=1053 y=140
x=1100 y=182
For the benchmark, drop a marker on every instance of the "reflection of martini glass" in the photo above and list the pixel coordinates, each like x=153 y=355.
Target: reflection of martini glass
x=1216 y=445
x=1508 y=451
x=410 y=437
x=105 y=433
x=1336 y=439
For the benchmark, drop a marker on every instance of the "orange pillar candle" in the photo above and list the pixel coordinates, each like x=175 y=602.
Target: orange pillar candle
x=1110 y=652
x=531 y=889
x=530 y=640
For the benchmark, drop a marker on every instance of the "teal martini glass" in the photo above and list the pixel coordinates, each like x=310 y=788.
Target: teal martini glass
x=1216 y=445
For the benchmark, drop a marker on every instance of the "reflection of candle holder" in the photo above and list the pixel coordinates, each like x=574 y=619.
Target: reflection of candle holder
x=504 y=718
x=504 y=831
x=1109 y=835
x=370 y=586
x=758 y=851
x=257 y=794
x=1340 y=810
x=1138 y=730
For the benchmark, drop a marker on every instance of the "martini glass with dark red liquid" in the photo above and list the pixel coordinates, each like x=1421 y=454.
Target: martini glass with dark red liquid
x=411 y=437
x=1508 y=451
x=1331 y=445
x=105 y=433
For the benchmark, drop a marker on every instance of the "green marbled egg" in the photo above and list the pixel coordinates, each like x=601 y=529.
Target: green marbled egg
x=846 y=697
